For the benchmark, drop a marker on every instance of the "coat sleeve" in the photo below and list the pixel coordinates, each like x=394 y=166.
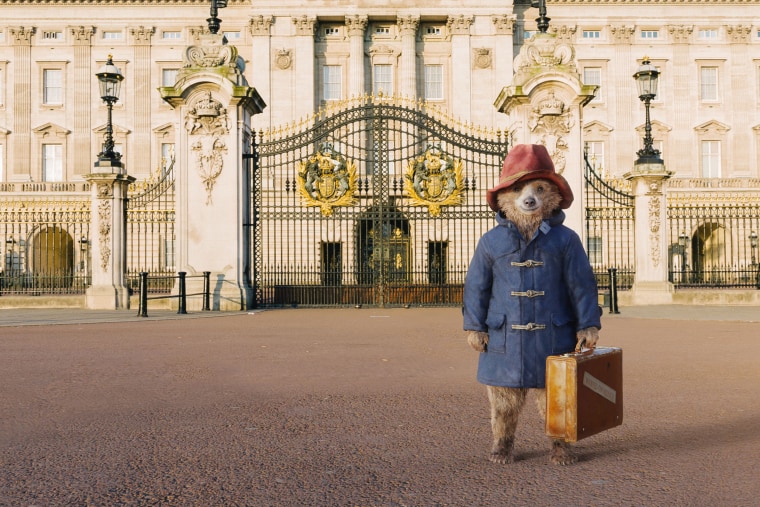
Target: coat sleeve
x=581 y=284
x=477 y=289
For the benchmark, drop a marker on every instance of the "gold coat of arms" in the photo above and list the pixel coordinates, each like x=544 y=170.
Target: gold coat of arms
x=326 y=179
x=434 y=179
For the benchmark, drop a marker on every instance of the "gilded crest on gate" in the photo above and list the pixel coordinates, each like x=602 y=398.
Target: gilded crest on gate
x=434 y=179
x=326 y=179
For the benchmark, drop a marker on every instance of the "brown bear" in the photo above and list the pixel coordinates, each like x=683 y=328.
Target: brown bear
x=529 y=293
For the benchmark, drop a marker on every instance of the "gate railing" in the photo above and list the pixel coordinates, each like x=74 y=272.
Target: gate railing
x=610 y=228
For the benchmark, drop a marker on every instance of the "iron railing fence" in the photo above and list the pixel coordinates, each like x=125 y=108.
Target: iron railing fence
x=610 y=228
x=44 y=240
x=150 y=232
x=713 y=240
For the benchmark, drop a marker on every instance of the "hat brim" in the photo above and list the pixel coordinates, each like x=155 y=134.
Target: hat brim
x=562 y=185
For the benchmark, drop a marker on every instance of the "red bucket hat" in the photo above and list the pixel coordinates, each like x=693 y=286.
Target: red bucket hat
x=529 y=162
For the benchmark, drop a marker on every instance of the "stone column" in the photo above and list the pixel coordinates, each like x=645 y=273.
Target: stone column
x=108 y=247
x=262 y=59
x=681 y=142
x=143 y=91
x=651 y=285
x=407 y=26
x=302 y=64
x=461 y=63
x=356 y=26
x=623 y=37
x=83 y=99
x=743 y=116
x=20 y=163
x=214 y=106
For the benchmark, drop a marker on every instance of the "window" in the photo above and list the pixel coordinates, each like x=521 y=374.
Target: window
x=52 y=162
x=595 y=154
x=382 y=79
x=434 y=82
x=332 y=31
x=331 y=263
x=332 y=82
x=650 y=34
x=167 y=157
x=52 y=86
x=593 y=76
x=527 y=34
x=708 y=83
x=52 y=35
x=433 y=30
x=232 y=35
x=171 y=35
x=592 y=34
x=710 y=152
x=112 y=35
x=169 y=77
x=382 y=30
x=708 y=34
x=168 y=253
x=437 y=257
x=595 y=251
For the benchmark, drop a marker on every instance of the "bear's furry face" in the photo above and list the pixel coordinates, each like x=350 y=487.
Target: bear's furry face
x=527 y=204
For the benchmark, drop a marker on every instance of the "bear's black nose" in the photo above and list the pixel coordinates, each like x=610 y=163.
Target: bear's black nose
x=529 y=202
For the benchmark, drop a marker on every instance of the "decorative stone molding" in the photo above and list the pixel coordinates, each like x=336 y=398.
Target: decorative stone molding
x=260 y=25
x=142 y=35
x=207 y=117
x=655 y=223
x=22 y=36
x=482 y=58
x=564 y=33
x=459 y=25
x=356 y=25
x=208 y=121
x=305 y=25
x=82 y=35
x=211 y=55
x=622 y=34
x=505 y=24
x=408 y=25
x=105 y=195
x=283 y=59
x=209 y=158
x=739 y=34
x=680 y=34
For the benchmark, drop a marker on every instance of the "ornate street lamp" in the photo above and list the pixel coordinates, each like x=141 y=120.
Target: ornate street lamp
x=109 y=78
x=542 y=20
x=213 y=22
x=683 y=241
x=646 y=80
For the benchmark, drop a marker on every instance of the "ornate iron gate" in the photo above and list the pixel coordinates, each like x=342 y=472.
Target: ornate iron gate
x=375 y=201
x=610 y=228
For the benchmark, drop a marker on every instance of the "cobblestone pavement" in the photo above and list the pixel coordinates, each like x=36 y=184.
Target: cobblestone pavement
x=357 y=407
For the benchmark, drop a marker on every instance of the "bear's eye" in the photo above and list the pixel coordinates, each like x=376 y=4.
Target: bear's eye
x=517 y=188
x=540 y=189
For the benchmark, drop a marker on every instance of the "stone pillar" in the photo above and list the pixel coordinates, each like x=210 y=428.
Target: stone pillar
x=356 y=26
x=623 y=36
x=545 y=106
x=108 y=247
x=407 y=26
x=651 y=285
x=214 y=105
x=461 y=63
x=264 y=59
x=303 y=90
x=20 y=163
x=83 y=99
x=141 y=160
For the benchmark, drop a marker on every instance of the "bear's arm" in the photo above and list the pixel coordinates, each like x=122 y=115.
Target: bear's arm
x=477 y=289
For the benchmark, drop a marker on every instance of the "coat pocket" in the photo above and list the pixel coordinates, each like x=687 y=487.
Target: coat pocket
x=563 y=333
x=497 y=332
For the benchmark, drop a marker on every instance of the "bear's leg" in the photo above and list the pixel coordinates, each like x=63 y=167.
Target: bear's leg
x=562 y=453
x=506 y=403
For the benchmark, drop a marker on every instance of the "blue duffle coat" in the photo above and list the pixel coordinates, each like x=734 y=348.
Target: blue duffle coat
x=531 y=297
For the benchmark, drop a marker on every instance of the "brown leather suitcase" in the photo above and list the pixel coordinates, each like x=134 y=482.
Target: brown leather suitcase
x=584 y=393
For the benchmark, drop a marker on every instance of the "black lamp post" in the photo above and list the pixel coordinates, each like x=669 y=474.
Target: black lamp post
x=753 y=246
x=213 y=22
x=109 y=78
x=646 y=80
x=542 y=20
x=683 y=240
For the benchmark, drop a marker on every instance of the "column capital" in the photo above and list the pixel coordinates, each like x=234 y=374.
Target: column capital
x=739 y=34
x=356 y=25
x=22 y=36
x=680 y=34
x=459 y=25
x=261 y=25
x=407 y=25
x=82 y=35
x=142 y=35
x=622 y=34
x=305 y=25
x=504 y=24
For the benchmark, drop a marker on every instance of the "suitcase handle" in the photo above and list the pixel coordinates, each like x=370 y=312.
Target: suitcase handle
x=586 y=352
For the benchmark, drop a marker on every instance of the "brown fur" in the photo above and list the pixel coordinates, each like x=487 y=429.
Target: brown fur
x=527 y=204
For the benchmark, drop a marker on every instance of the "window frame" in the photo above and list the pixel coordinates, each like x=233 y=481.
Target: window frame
x=706 y=160
x=58 y=168
x=387 y=80
x=427 y=82
x=46 y=71
x=332 y=82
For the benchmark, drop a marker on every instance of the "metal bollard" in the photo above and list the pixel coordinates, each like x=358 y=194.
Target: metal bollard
x=143 y=310
x=206 y=291
x=182 y=294
x=613 y=291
